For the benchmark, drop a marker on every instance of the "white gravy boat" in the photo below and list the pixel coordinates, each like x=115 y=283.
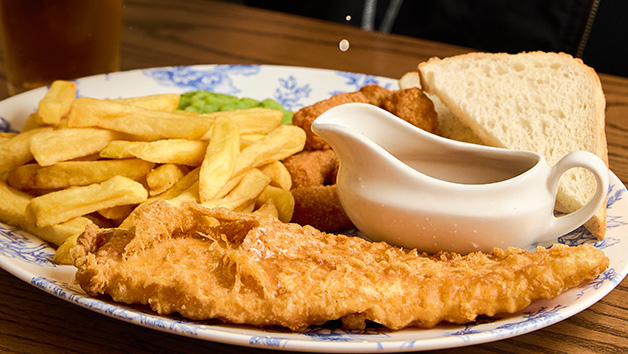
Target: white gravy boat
x=410 y=188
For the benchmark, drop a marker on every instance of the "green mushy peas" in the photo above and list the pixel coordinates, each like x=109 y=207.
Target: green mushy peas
x=204 y=101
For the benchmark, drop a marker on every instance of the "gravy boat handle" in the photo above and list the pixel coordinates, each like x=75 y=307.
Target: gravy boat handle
x=567 y=223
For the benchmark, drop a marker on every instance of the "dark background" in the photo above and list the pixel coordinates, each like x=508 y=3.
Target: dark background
x=496 y=25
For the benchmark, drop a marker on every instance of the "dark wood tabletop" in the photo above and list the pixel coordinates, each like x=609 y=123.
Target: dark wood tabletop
x=183 y=32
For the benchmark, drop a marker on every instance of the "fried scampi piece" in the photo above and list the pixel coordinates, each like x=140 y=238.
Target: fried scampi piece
x=306 y=115
x=247 y=269
x=413 y=106
x=375 y=93
x=312 y=168
x=316 y=202
x=319 y=207
x=410 y=104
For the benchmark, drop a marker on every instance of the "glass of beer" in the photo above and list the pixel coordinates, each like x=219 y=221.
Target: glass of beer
x=47 y=40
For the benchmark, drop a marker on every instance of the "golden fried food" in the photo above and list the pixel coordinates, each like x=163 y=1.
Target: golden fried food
x=312 y=168
x=375 y=93
x=413 y=106
x=306 y=115
x=319 y=206
x=313 y=188
x=248 y=269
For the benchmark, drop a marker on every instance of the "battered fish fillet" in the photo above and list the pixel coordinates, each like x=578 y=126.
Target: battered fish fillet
x=240 y=268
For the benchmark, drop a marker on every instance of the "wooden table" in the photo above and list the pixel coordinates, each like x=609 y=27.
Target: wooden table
x=169 y=32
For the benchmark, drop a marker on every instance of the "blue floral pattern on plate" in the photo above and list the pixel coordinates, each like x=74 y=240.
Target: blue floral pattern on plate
x=31 y=259
x=13 y=244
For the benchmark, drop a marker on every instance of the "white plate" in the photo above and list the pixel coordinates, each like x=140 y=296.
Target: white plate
x=29 y=259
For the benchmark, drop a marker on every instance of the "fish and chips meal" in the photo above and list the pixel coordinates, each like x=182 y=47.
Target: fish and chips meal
x=218 y=207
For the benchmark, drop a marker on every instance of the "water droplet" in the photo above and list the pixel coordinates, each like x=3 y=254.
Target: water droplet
x=344 y=45
x=348 y=18
x=475 y=244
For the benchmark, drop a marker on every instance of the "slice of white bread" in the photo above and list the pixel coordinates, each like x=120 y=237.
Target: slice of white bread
x=550 y=103
x=449 y=126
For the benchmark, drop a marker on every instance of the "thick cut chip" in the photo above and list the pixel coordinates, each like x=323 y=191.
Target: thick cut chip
x=278 y=173
x=268 y=208
x=138 y=121
x=13 y=205
x=76 y=173
x=282 y=199
x=52 y=146
x=119 y=212
x=176 y=151
x=56 y=103
x=166 y=102
x=152 y=124
x=56 y=207
x=163 y=177
x=219 y=162
x=278 y=144
x=58 y=233
x=16 y=151
x=252 y=185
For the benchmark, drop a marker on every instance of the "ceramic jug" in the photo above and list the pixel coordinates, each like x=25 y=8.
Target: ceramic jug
x=400 y=184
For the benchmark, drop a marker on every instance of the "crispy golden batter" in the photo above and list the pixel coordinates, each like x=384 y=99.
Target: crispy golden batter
x=242 y=268
x=375 y=93
x=319 y=207
x=413 y=106
x=306 y=115
x=312 y=168
x=316 y=202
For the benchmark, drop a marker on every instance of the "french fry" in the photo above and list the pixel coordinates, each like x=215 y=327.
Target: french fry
x=13 y=205
x=138 y=121
x=244 y=193
x=188 y=195
x=278 y=144
x=181 y=186
x=229 y=186
x=56 y=207
x=246 y=208
x=283 y=200
x=254 y=120
x=176 y=151
x=23 y=177
x=51 y=146
x=13 y=212
x=163 y=177
x=4 y=136
x=119 y=149
x=152 y=125
x=76 y=173
x=58 y=233
x=268 y=208
x=248 y=139
x=278 y=173
x=56 y=103
x=167 y=102
x=250 y=121
x=219 y=162
x=119 y=212
x=62 y=254
x=32 y=122
x=16 y=151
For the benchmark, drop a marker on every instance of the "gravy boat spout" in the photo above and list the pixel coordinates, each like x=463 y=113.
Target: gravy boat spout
x=400 y=184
